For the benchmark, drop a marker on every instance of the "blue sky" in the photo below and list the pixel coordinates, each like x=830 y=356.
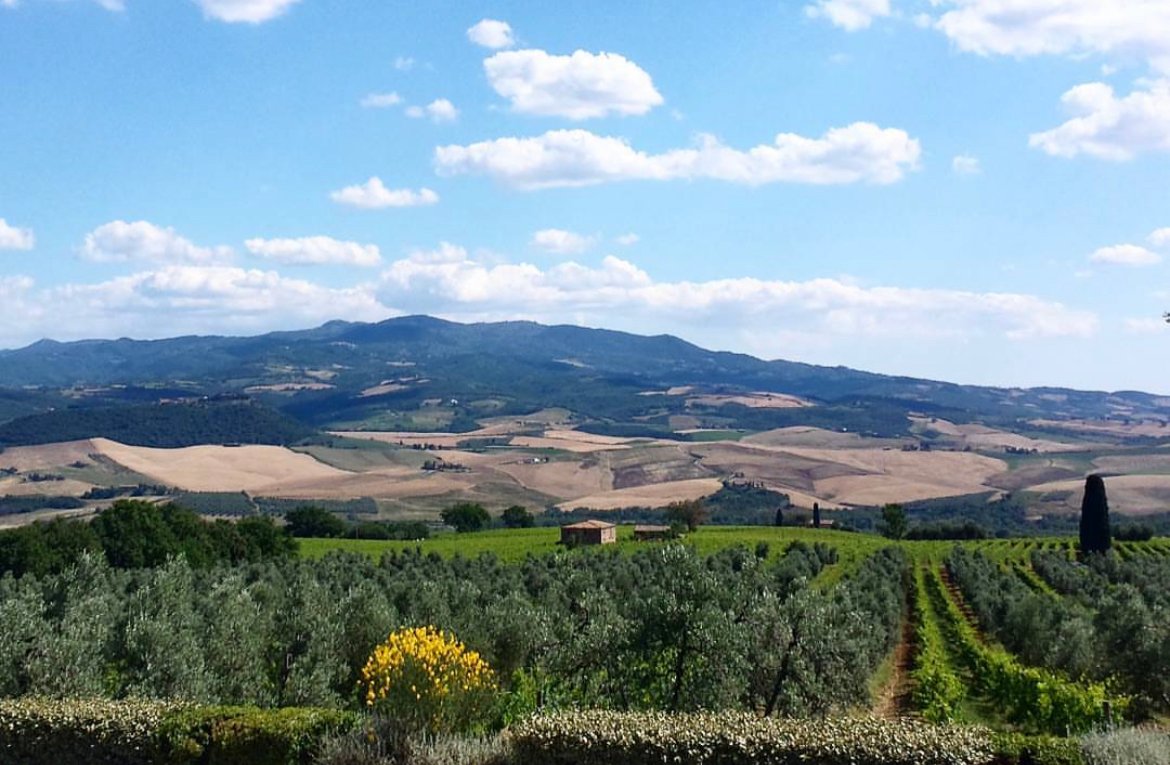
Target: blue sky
x=970 y=190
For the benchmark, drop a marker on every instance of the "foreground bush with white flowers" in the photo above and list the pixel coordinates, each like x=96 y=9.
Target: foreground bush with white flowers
x=89 y=732
x=642 y=738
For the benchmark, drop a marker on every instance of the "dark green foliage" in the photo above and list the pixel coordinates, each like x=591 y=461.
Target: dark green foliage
x=346 y=507
x=1095 y=537
x=1021 y=749
x=517 y=517
x=965 y=530
x=691 y=513
x=744 y=503
x=816 y=515
x=389 y=530
x=1134 y=532
x=893 y=523
x=466 y=516
x=662 y=627
x=44 y=548
x=161 y=425
x=27 y=504
x=311 y=521
x=249 y=736
x=138 y=534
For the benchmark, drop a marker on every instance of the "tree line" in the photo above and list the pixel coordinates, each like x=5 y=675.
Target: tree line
x=138 y=534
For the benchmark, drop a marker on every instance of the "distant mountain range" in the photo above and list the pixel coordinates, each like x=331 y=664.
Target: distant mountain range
x=422 y=373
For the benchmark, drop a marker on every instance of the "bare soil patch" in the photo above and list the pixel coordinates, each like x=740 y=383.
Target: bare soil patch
x=219 y=468
x=47 y=456
x=564 y=478
x=657 y=495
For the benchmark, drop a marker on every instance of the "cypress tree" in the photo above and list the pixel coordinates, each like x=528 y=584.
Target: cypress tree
x=816 y=515
x=779 y=516
x=1095 y=536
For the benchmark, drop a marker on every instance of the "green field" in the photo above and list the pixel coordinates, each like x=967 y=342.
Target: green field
x=512 y=545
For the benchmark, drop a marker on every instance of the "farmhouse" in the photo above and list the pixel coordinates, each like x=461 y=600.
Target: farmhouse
x=589 y=533
x=646 y=533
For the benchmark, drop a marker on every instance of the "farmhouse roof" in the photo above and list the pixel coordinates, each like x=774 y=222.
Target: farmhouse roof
x=650 y=528
x=589 y=525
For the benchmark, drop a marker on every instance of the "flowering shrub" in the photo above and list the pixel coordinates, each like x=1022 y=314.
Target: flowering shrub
x=429 y=681
x=37 y=731
x=73 y=731
x=652 y=738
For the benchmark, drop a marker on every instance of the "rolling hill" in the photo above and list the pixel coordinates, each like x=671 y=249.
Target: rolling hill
x=424 y=374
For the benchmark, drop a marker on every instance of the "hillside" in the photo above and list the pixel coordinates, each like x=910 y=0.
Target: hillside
x=424 y=374
x=159 y=425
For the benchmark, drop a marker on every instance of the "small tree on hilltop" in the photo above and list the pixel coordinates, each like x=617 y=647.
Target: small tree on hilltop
x=893 y=523
x=466 y=516
x=692 y=512
x=1095 y=536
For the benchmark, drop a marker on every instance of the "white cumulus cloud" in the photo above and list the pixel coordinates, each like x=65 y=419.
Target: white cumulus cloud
x=859 y=153
x=851 y=15
x=315 y=250
x=373 y=195
x=491 y=33
x=1108 y=127
x=579 y=86
x=1160 y=237
x=15 y=238
x=439 y=110
x=244 y=11
x=628 y=240
x=119 y=241
x=1126 y=29
x=1125 y=255
x=561 y=242
x=618 y=292
x=176 y=300
x=381 y=100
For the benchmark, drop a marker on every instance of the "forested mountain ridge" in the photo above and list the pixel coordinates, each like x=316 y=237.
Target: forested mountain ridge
x=347 y=373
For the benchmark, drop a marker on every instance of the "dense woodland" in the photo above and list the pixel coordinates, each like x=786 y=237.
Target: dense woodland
x=159 y=425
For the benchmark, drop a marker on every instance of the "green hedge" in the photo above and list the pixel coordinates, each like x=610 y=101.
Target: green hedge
x=85 y=732
x=1013 y=748
x=652 y=738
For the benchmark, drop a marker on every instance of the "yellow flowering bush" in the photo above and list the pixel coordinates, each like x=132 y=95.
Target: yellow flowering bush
x=429 y=681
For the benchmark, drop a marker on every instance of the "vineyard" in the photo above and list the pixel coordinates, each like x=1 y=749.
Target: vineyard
x=1009 y=635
